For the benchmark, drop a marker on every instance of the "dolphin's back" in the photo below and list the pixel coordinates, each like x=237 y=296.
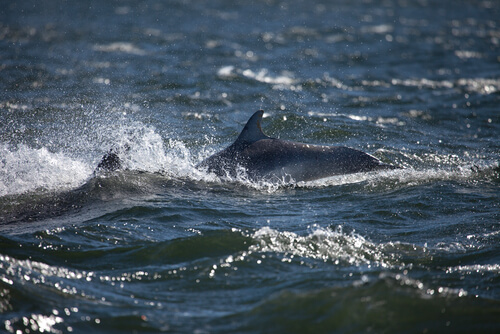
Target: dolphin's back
x=305 y=162
x=263 y=157
x=275 y=158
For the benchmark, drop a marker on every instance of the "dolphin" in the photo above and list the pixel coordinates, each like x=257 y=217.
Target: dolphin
x=109 y=162
x=262 y=157
x=265 y=158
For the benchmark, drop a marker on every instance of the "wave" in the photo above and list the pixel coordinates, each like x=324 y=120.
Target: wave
x=322 y=244
x=284 y=80
x=354 y=284
x=389 y=303
x=91 y=249
x=38 y=182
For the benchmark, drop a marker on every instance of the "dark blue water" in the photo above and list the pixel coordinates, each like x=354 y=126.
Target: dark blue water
x=160 y=246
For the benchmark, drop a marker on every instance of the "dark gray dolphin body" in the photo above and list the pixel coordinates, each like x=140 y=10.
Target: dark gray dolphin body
x=266 y=158
x=109 y=162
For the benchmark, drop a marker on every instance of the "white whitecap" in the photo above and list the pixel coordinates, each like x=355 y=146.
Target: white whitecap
x=24 y=169
x=124 y=47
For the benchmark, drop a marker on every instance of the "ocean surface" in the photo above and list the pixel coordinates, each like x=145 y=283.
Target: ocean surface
x=159 y=246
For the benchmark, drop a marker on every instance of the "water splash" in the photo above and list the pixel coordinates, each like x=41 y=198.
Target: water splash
x=323 y=244
x=24 y=169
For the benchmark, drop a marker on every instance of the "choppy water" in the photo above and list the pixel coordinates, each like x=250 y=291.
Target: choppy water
x=161 y=246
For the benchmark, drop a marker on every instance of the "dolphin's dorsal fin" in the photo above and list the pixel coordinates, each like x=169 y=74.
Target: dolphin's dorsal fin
x=252 y=130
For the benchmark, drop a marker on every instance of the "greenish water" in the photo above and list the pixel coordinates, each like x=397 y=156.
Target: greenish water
x=163 y=247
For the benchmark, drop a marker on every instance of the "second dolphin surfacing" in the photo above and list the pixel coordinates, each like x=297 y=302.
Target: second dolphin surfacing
x=266 y=158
